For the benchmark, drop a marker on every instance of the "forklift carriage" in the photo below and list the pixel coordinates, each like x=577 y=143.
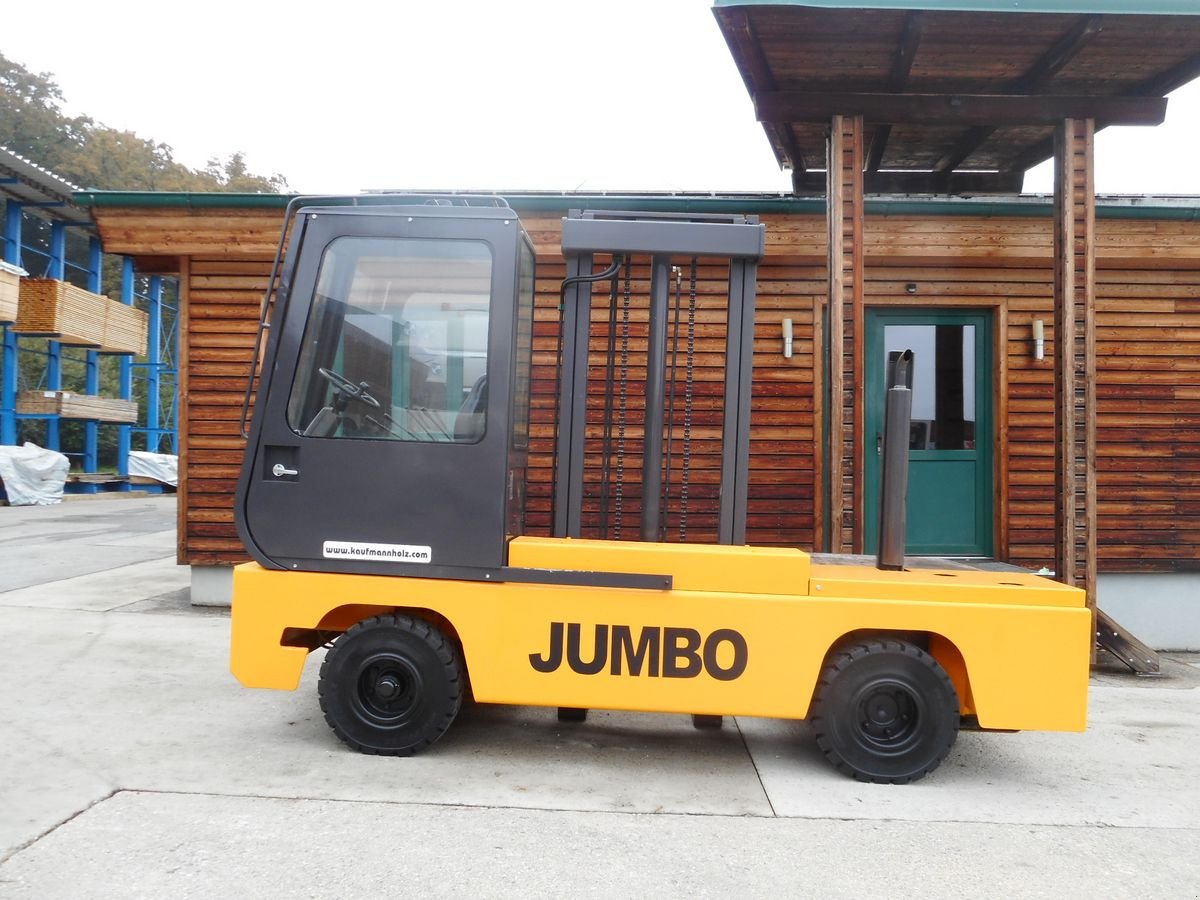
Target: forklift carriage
x=383 y=499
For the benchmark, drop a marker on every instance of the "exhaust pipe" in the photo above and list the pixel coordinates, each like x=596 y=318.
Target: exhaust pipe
x=893 y=491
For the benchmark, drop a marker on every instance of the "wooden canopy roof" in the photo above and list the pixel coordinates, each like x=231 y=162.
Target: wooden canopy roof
x=957 y=95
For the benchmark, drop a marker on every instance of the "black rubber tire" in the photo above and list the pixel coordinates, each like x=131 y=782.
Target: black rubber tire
x=885 y=711
x=391 y=685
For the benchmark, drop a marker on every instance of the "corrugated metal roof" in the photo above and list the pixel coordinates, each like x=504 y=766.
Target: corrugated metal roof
x=26 y=182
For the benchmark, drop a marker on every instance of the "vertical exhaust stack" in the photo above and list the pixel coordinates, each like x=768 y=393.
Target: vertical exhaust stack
x=893 y=492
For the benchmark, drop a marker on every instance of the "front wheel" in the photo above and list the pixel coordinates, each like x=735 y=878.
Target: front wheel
x=885 y=711
x=391 y=685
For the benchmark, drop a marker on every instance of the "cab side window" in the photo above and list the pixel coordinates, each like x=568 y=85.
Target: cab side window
x=395 y=346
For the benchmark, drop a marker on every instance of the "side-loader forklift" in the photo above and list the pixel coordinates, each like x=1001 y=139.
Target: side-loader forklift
x=383 y=497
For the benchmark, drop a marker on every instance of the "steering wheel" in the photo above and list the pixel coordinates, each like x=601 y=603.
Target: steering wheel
x=348 y=388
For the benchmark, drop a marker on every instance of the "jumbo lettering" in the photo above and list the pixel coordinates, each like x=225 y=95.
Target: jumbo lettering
x=669 y=652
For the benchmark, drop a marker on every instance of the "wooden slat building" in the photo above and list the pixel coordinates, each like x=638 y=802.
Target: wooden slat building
x=995 y=257
x=1085 y=460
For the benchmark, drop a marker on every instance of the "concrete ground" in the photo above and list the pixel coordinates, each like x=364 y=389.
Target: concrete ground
x=133 y=765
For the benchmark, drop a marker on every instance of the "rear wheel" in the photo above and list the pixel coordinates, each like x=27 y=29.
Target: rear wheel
x=391 y=685
x=885 y=711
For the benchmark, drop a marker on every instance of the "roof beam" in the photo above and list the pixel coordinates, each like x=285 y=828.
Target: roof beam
x=756 y=73
x=157 y=265
x=1175 y=77
x=1056 y=58
x=1037 y=77
x=957 y=109
x=902 y=65
x=813 y=182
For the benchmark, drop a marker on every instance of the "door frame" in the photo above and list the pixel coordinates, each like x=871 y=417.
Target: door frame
x=993 y=453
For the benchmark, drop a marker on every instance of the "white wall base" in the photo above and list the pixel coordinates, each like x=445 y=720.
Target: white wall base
x=212 y=585
x=1162 y=611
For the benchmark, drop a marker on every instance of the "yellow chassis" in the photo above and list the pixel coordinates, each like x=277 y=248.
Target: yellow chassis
x=744 y=631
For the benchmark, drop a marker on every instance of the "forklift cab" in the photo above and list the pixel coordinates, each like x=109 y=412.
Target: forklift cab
x=393 y=406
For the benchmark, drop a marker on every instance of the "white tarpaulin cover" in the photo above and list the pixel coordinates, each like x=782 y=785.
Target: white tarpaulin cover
x=162 y=467
x=33 y=476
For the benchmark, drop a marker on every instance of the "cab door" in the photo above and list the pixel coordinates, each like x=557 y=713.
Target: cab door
x=381 y=442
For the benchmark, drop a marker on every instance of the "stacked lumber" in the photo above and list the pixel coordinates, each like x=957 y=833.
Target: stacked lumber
x=70 y=405
x=71 y=315
x=125 y=329
x=10 y=291
x=57 y=309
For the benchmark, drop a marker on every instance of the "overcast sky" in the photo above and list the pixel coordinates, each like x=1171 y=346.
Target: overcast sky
x=523 y=94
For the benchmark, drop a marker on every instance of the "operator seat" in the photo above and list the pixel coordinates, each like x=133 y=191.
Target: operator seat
x=324 y=423
x=471 y=420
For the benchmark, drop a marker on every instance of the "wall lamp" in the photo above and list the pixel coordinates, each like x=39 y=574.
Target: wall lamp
x=1039 y=339
x=787 y=338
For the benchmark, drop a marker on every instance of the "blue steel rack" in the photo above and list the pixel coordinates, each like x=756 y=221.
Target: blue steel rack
x=156 y=295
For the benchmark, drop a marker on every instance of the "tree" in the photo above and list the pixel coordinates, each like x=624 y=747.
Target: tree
x=31 y=121
x=232 y=175
x=120 y=160
x=93 y=155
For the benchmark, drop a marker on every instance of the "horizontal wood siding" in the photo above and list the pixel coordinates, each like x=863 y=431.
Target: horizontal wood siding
x=780 y=506
x=1148 y=419
x=1148 y=380
x=223 y=301
x=203 y=234
x=1147 y=423
x=1148 y=370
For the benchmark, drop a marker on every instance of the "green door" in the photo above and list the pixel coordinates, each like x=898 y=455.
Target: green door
x=952 y=434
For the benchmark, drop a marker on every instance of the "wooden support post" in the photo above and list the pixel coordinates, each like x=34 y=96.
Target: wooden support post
x=1075 y=356
x=844 y=215
x=1075 y=547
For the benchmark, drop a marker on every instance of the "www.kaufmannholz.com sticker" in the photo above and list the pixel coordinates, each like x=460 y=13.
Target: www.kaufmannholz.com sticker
x=409 y=553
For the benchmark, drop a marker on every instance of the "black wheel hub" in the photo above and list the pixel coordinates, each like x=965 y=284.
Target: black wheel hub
x=388 y=687
x=888 y=716
x=388 y=691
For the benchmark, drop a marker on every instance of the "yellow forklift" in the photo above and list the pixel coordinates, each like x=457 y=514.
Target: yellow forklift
x=383 y=499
